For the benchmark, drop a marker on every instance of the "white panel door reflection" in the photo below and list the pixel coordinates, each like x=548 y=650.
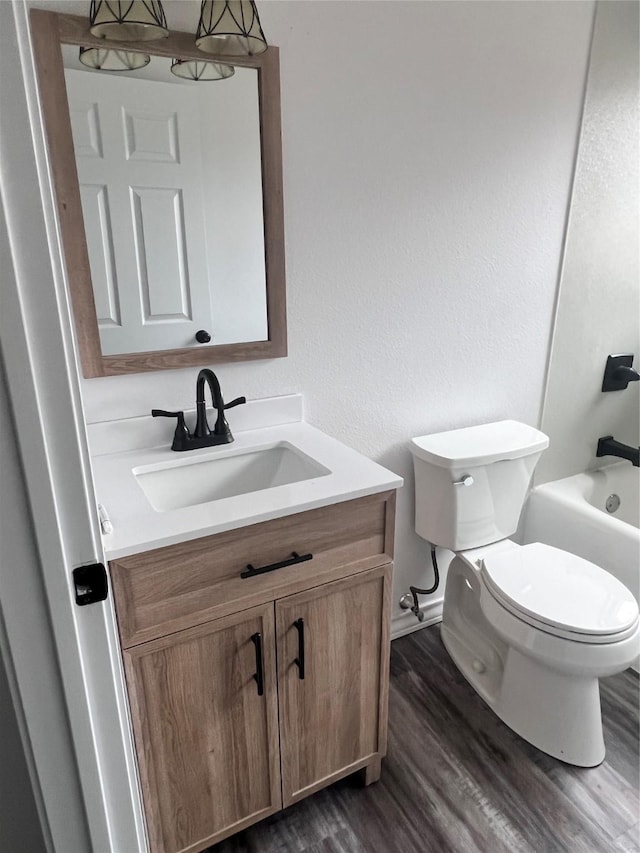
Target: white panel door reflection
x=139 y=158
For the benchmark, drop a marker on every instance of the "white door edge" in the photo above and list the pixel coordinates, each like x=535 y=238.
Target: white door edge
x=42 y=378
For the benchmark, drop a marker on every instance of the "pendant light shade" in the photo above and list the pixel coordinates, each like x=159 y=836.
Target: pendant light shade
x=128 y=20
x=193 y=69
x=230 y=28
x=103 y=59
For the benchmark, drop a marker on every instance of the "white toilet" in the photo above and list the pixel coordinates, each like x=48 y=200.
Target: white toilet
x=531 y=627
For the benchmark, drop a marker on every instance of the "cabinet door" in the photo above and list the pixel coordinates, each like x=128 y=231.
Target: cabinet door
x=333 y=720
x=207 y=742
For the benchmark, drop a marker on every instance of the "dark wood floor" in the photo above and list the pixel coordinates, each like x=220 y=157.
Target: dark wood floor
x=457 y=780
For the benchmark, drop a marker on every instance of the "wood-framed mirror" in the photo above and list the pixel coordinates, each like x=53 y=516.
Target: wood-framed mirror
x=53 y=33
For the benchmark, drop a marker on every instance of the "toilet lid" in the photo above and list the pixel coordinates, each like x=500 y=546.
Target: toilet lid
x=560 y=590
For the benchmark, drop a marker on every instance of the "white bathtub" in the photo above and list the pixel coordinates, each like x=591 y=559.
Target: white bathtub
x=572 y=514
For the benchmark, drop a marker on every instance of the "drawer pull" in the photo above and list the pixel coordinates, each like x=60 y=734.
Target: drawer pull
x=259 y=674
x=295 y=558
x=299 y=624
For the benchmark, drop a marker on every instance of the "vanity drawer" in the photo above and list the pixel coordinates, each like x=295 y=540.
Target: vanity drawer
x=168 y=589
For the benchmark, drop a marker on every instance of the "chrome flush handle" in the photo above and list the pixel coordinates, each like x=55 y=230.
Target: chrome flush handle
x=465 y=480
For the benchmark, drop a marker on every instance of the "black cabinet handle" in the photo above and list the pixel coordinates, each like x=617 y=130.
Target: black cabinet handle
x=202 y=336
x=299 y=625
x=259 y=675
x=295 y=558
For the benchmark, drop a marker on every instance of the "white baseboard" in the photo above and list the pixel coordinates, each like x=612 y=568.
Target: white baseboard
x=406 y=622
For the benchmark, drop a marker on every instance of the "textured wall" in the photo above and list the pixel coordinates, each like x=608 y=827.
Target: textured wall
x=599 y=302
x=428 y=153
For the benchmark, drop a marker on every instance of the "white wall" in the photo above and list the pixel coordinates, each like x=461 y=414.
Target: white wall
x=599 y=302
x=428 y=154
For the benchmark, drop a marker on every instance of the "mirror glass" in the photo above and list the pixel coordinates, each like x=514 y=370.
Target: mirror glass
x=171 y=189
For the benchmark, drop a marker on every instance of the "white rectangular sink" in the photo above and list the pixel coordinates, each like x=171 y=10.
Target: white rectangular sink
x=198 y=480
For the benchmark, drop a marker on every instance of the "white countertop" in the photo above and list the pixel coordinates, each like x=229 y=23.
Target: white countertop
x=138 y=527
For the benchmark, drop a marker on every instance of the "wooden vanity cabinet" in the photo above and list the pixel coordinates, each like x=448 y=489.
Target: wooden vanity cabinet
x=206 y=729
x=332 y=720
x=284 y=692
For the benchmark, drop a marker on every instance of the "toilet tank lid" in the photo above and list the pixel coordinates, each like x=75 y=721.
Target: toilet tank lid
x=479 y=445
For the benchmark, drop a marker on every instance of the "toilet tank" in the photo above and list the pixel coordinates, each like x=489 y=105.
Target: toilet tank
x=471 y=483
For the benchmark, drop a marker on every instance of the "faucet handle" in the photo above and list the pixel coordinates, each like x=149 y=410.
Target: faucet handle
x=182 y=434
x=237 y=402
x=222 y=427
x=160 y=413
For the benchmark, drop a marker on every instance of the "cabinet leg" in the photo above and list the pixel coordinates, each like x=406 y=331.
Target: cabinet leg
x=371 y=773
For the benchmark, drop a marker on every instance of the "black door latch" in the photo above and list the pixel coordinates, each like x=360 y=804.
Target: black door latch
x=90 y=583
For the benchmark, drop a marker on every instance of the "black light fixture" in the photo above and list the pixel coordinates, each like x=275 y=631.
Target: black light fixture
x=105 y=59
x=226 y=28
x=128 y=20
x=195 y=69
x=230 y=28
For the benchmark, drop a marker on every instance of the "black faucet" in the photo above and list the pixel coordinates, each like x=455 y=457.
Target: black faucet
x=202 y=436
x=608 y=446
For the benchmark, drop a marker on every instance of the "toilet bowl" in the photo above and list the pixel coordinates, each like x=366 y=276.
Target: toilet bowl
x=537 y=665
x=532 y=628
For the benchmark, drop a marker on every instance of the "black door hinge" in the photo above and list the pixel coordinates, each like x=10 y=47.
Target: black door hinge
x=90 y=583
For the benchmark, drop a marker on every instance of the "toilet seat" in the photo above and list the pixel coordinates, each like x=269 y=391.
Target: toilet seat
x=560 y=593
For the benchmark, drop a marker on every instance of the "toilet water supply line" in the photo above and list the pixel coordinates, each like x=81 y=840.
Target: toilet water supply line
x=405 y=601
